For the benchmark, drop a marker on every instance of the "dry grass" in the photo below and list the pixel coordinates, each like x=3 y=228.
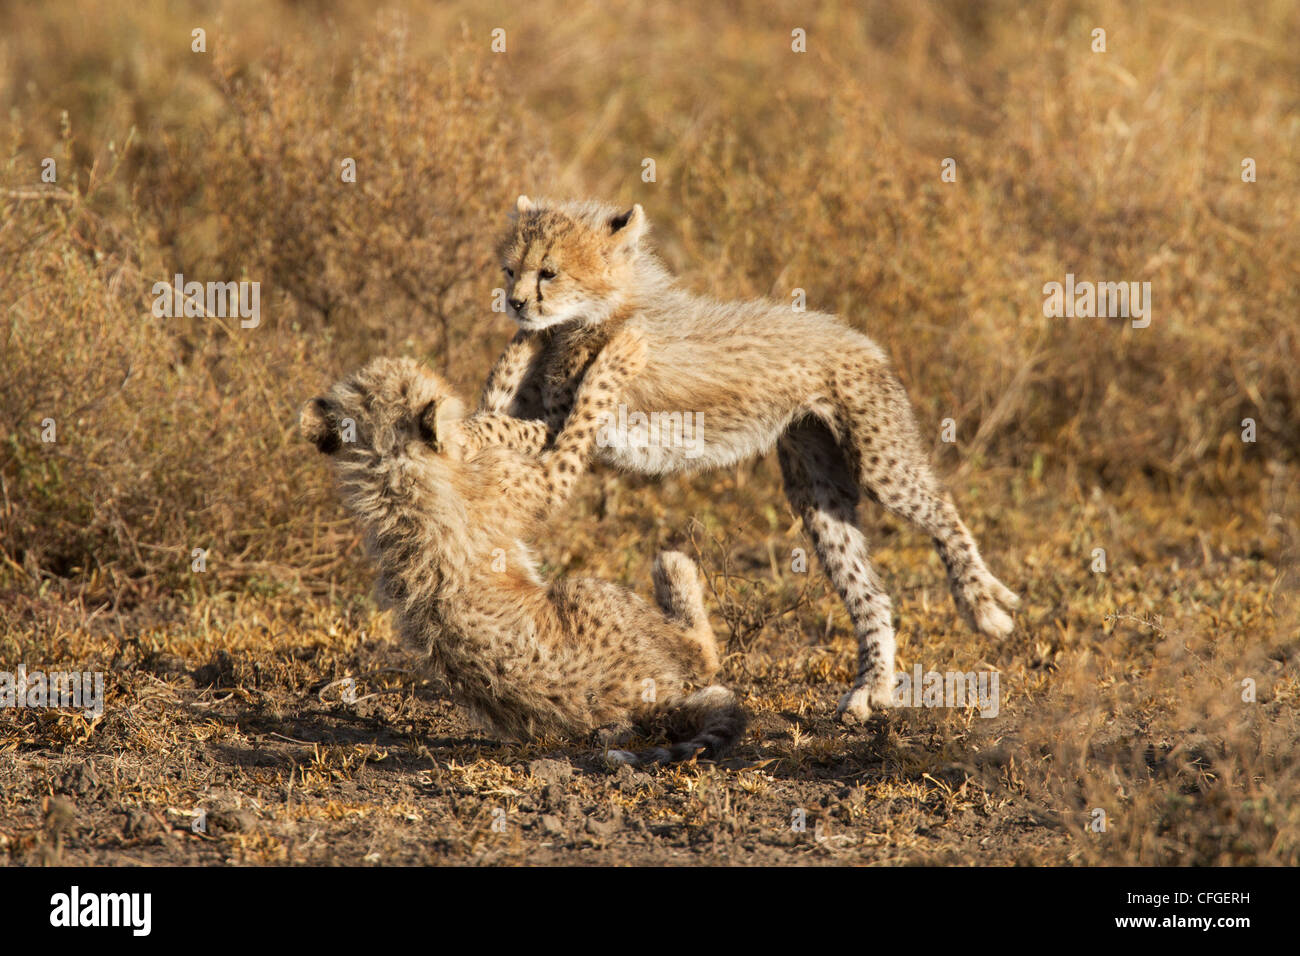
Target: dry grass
x=775 y=171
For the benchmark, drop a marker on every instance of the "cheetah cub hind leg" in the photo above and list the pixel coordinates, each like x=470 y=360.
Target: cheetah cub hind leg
x=709 y=721
x=680 y=597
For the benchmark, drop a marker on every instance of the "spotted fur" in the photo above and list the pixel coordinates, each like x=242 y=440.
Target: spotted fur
x=761 y=376
x=448 y=514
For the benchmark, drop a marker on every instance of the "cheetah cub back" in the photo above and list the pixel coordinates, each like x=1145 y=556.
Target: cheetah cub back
x=448 y=517
x=753 y=376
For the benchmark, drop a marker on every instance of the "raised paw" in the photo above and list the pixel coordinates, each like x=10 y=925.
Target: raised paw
x=985 y=603
x=991 y=620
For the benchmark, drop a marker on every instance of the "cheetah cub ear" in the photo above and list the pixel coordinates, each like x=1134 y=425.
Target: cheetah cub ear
x=626 y=230
x=436 y=418
x=316 y=424
x=524 y=205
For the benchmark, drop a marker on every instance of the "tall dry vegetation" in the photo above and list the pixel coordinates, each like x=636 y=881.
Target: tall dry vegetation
x=1122 y=166
x=774 y=171
x=176 y=433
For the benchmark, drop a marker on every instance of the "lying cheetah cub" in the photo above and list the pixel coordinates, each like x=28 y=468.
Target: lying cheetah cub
x=447 y=516
x=757 y=374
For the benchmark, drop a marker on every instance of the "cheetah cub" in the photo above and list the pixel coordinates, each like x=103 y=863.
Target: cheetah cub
x=757 y=375
x=448 y=514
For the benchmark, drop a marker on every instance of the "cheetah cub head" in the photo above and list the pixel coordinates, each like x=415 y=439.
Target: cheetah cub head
x=390 y=409
x=572 y=261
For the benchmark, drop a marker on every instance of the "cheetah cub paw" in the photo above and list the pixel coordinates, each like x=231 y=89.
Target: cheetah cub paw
x=865 y=699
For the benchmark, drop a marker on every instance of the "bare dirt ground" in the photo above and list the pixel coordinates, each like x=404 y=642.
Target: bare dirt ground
x=230 y=744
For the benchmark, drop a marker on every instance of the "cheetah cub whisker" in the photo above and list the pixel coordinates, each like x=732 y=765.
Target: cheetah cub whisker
x=448 y=508
x=759 y=376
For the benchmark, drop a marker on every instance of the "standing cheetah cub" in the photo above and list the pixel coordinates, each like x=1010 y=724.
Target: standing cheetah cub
x=757 y=375
x=447 y=516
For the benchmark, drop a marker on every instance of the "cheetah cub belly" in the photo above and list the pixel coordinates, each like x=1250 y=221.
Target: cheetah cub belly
x=448 y=515
x=751 y=376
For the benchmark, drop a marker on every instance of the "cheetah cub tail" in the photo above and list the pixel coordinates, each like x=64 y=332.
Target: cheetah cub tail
x=712 y=716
